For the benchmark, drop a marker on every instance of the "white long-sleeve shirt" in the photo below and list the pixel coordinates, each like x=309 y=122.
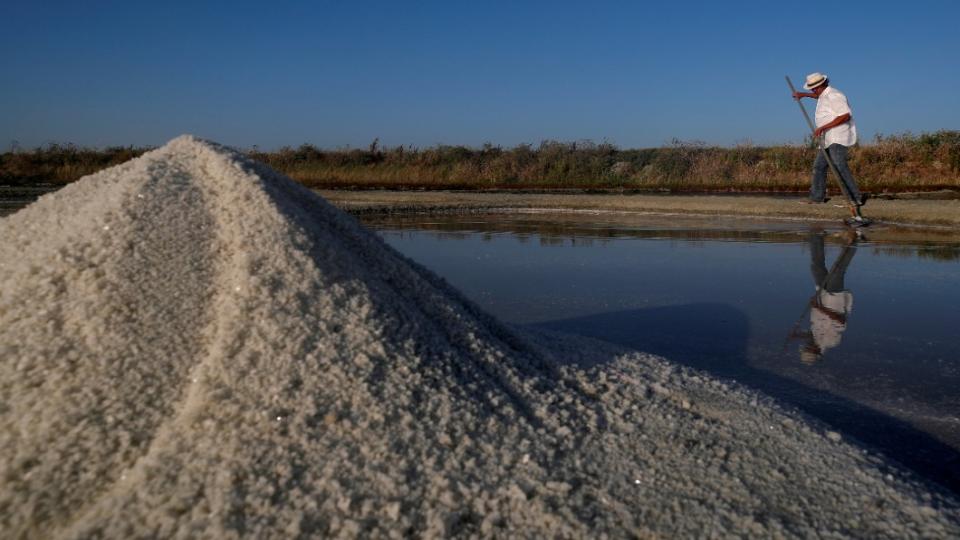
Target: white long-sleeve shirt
x=831 y=104
x=826 y=330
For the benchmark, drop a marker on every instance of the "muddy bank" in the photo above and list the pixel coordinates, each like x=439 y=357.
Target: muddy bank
x=904 y=212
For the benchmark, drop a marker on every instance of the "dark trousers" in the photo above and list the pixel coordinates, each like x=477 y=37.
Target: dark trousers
x=831 y=281
x=818 y=188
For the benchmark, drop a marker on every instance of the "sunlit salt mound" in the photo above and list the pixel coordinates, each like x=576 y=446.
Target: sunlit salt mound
x=194 y=345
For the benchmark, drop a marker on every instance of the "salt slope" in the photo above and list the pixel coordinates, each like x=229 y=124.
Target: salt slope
x=194 y=345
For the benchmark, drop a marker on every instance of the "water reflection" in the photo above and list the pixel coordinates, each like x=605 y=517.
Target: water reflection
x=831 y=303
x=935 y=252
x=720 y=295
x=584 y=229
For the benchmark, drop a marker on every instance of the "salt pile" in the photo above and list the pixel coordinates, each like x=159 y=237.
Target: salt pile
x=194 y=345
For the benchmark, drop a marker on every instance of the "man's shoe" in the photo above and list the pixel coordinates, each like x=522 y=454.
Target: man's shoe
x=811 y=201
x=863 y=199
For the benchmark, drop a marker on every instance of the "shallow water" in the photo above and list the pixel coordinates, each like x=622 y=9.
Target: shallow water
x=875 y=355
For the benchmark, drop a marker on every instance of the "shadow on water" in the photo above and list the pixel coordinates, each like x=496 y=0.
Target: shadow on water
x=713 y=337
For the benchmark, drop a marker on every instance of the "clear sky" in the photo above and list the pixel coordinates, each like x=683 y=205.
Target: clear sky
x=338 y=74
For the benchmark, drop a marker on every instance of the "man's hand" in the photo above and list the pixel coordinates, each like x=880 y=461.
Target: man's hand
x=842 y=119
x=797 y=95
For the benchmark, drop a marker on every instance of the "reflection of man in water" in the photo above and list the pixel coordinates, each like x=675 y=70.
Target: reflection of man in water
x=831 y=304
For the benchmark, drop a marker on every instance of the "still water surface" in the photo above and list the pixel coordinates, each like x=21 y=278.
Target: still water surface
x=860 y=332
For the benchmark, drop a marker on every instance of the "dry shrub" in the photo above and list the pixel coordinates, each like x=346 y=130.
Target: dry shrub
x=891 y=163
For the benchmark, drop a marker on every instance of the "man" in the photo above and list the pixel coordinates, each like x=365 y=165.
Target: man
x=831 y=303
x=835 y=124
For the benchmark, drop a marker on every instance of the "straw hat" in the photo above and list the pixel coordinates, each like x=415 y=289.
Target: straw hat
x=810 y=353
x=814 y=80
x=808 y=357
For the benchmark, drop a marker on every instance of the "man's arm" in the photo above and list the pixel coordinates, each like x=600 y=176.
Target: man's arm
x=842 y=119
x=798 y=95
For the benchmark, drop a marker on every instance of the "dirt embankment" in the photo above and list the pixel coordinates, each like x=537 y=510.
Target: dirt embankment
x=919 y=211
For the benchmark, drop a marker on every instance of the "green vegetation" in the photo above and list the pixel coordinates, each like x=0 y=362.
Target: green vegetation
x=903 y=162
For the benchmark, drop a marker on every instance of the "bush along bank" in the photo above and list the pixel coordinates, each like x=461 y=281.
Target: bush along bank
x=896 y=163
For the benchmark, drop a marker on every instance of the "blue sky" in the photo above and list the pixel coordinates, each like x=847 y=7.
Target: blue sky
x=338 y=74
